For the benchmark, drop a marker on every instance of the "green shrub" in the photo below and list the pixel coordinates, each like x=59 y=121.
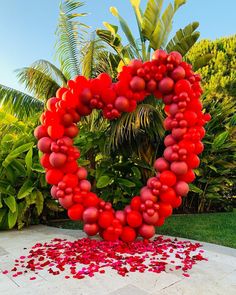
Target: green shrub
x=23 y=190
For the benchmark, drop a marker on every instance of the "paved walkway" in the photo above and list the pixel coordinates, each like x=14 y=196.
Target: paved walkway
x=217 y=276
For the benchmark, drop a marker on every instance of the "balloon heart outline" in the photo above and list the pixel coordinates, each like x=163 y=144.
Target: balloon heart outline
x=166 y=77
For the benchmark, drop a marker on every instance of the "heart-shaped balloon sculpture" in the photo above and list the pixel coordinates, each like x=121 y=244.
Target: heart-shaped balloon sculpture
x=166 y=77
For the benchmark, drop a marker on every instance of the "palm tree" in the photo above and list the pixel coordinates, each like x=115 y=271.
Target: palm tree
x=76 y=54
x=142 y=131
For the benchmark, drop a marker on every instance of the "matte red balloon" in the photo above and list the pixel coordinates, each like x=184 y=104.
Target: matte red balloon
x=134 y=219
x=75 y=212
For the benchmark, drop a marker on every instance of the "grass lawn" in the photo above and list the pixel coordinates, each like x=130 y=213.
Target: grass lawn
x=217 y=228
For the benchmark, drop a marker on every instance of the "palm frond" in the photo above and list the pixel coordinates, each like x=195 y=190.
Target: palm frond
x=163 y=27
x=19 y=103
x=50 y=69
x=146 y=120
x=40 y=84
x=184 y=39
x=70 y=34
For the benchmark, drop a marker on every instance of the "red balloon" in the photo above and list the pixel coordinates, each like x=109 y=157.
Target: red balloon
x=179 y=168
x=82 y=173
x=134 y=219
x=151 y=219
x=57 y=159
x=182 y=85
x=71 y=180
x=105 y=219
x=110 y=236
x=137 y=84
x=189 y=176
x=91 y=229
x=159 y=56
x=166 y=85
x=53 y=191
x=193 y=161
x=168 y=196
x=40 y=131
x=199 y=147
x=70 y=167
x=135 y=203
x=181 y=188
x=120 y=215
x=168 y=178
x=91 y=200
x=161 y=165
x=75 y=212
x=176 y=202
x=71 y=131
x=67 y=201
x=122 y=104
x=44 y=161
x=44 y=144
x=53 y=176
x=178 y=73
x=147 y=231
x=56 y=131
x=85 y=185
x=90 y=215
x=165 y=209
x=128 y=234
x=160 y=221
x=146 y=194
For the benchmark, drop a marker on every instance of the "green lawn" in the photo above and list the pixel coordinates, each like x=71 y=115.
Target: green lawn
x=217 y=228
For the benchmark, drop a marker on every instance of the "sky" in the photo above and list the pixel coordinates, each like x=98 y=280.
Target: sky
x=27 y=27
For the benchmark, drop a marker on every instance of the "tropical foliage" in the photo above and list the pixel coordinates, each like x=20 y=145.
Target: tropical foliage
x=23 y=190
x=214 y=188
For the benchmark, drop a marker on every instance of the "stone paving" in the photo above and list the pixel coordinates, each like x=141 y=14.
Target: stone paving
x=217 y=276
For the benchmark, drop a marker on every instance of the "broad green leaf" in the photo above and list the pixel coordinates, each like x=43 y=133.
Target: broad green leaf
x=202 y=61
x=6 y=188
x=183 y=38
x=3 y=211
x=125 y=182
x=138 y=14
x=1 y=205
x=39 y=202
x=195 y=189
x=220 y=140
x=11 y=203
x=104 y=181
x=28 y=160
x=136 y=172
x=112 y=28
x=15 y=153
x=126 y=30
x=150 y=17
x=12 y=218
x=30 y=198
x=38 y=168
x=17 y=164
x=179 y=3
x=25 y=190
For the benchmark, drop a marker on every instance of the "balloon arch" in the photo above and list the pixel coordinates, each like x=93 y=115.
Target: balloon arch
x=166 y=77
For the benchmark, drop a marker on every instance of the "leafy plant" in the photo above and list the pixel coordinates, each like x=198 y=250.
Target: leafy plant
x=214 y=187
x=23 y=190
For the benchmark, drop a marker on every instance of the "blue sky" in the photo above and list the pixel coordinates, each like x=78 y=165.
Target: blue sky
x=27 y=27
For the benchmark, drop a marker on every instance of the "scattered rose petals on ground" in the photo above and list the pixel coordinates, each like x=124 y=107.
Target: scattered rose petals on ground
x=85 y=257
